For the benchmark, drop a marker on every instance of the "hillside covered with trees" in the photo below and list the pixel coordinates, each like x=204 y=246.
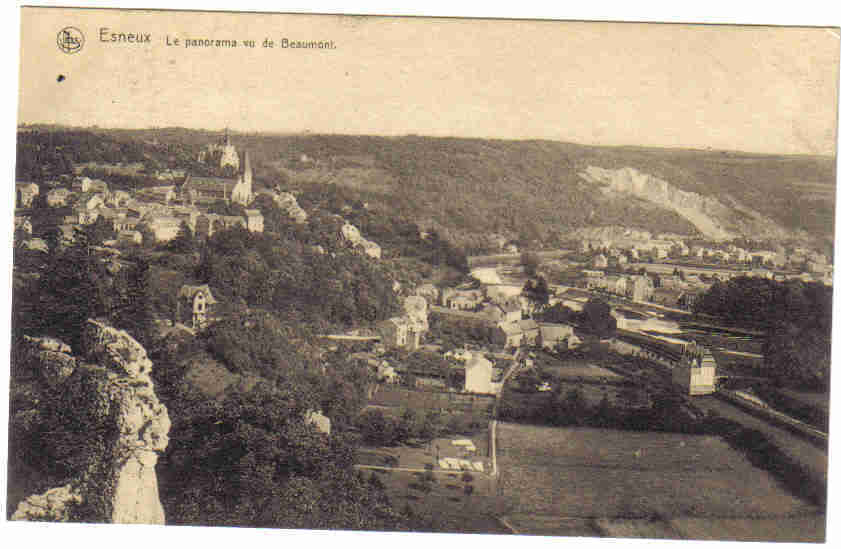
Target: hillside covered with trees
x=530 y=191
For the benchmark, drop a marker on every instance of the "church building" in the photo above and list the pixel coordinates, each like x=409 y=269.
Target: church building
x=200 y=189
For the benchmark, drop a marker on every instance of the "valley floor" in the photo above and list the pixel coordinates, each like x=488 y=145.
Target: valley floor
x=602 y=482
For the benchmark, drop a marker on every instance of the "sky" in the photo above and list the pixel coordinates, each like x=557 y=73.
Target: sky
x=757 y=89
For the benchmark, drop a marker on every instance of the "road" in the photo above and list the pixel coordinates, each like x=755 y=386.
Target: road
x=492 y=425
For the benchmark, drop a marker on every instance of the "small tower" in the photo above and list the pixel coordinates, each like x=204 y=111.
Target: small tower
x=246 y=172
x=229 y=153
x=242 y=191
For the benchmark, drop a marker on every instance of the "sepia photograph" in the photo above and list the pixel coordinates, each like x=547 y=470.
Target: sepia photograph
x=453 y=275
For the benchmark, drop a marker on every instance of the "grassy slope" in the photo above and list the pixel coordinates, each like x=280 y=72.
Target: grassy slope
x=629 y=478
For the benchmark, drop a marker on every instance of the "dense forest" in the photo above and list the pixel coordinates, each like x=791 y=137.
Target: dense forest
x=796 y=316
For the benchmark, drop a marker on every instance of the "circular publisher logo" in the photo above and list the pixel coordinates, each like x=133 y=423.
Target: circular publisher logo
x=70 y=39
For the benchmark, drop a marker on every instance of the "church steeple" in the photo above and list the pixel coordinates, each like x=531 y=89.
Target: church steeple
x=246 y=170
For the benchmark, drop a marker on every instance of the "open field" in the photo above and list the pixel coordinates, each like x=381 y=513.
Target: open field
x=443 y=505
x=805 y=452
x=417 y=457
x=399 y=397
x=438 y=496
x=574 y=368
x=636 y=483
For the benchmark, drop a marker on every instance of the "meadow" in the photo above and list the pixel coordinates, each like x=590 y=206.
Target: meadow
x=641 y=484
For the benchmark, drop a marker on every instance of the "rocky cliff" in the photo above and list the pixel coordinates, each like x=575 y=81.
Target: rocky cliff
x=715 y=217
x=105 y=424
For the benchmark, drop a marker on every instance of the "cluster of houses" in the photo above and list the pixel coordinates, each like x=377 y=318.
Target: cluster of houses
x=161 y=209
x=637 y=245
x=634 y=287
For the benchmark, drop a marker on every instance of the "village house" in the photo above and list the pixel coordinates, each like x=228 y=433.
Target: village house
x=57 y=198
x=317 y=419
x=812 y=257
x=140 y=209
x=163 y=194
x=507 y=334
x=164 y=228
x=695 y=371
x=551 y=335
x=133 y=238
x=515 y=333
x=510 y=311
x=531 y=331
x=401 y=331
x=84 y=216
x=25 y=194
x=89 y=201
x=93 y=186
x=66 y=234
x=463 y=300
x=670 y=282
x=254 y=221
x=124 y=223
x=478 y=375
x=118 y=199
x=492 y=311
x=818 y=268
x=639 y=288
x=594 y=279
x=111 y=214
x=616 y=284
x=23 y=224
x=502 y=293
x=386 y=373
x=37 y=244
x=428 y=291
x=81 y=185
x=194 y=306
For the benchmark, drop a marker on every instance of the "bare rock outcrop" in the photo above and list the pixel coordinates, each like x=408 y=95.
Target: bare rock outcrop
x=109 y=402
x=713 y=217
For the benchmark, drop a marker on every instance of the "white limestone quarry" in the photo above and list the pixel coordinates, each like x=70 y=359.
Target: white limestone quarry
x=117 y=396
x=710 y=216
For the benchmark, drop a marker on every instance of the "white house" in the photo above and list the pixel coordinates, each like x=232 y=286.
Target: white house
x=478 y=373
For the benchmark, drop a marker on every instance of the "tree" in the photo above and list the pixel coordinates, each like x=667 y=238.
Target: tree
x=596 y=317
x=184 y=241
x=147 y=234
x=538 y=292
x=97 y=232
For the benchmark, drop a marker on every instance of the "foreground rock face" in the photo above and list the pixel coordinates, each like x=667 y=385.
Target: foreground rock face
x=108 y=393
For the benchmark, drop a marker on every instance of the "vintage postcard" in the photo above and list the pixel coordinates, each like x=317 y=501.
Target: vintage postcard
x=409 y=274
